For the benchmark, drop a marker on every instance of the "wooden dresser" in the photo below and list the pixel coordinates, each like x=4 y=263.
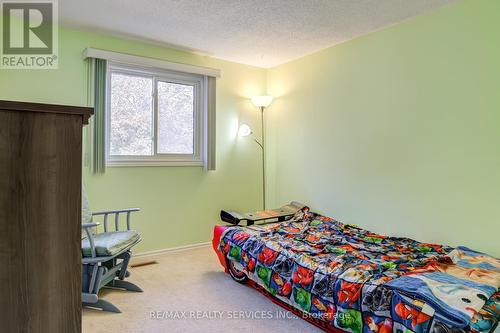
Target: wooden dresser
x=40 y=208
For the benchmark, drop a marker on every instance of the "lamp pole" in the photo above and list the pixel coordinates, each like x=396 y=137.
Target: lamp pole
x=262 y=102
x=262 y=145
x=263 y=158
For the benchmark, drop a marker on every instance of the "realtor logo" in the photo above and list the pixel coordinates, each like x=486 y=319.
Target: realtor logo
x=29 y=35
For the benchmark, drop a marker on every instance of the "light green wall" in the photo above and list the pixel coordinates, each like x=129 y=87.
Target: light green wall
x=397 y=131
x=179 y=204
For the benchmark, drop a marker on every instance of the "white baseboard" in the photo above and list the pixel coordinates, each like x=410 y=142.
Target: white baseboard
x=171 y=250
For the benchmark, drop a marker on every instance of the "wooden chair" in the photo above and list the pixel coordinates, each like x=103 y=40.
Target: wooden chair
x=105 y=255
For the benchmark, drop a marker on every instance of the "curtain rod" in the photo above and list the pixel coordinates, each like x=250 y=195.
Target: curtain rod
x=150 y=62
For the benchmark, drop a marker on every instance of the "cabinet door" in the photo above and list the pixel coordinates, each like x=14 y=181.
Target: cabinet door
x=40 y=208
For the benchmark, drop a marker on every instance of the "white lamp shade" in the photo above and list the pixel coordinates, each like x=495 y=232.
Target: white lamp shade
x=261 y=101
x=244 y=130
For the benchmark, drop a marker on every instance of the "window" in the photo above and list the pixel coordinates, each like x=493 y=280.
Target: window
x=154 y=117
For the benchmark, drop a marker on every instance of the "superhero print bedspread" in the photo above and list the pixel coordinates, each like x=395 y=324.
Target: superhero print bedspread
x=362 y=282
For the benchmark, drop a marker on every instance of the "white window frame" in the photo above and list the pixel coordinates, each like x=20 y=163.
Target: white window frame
x=199 y=82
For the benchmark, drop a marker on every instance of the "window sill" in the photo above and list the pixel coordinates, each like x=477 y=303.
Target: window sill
x=112 y=164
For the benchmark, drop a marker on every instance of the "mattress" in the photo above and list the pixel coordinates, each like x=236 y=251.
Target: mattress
x=344 y=278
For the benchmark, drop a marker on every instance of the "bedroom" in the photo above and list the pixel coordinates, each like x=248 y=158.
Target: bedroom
x=384 y=114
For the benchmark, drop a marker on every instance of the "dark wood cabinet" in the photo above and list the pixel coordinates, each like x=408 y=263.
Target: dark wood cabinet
x=40 y=209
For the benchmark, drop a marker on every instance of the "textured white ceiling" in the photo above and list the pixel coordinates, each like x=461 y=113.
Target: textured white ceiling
x=262 y=33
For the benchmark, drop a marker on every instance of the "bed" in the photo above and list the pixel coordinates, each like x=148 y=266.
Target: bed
x=343 y=278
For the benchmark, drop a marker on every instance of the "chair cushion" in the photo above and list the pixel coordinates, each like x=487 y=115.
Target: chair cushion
x=110 y=243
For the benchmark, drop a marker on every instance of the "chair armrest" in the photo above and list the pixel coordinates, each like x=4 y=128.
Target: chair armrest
x=90 y=236
x=117 y=213
x=90 y=225
x=125 y=210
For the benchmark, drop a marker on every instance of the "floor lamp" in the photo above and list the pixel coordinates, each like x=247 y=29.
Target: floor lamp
x=261 y=102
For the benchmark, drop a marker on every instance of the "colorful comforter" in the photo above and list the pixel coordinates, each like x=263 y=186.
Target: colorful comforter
x=363 y=282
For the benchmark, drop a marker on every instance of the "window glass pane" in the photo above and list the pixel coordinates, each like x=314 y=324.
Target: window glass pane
x=131 y=115
x=175 y=118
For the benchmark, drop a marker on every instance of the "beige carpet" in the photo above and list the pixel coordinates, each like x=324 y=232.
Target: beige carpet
x=190 y=283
